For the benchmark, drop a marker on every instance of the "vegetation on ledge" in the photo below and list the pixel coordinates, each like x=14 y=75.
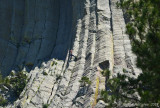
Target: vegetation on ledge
x=85 y=81
x=12 y=85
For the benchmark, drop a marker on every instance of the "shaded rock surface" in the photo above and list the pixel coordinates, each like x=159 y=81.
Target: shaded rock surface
x=36 y=35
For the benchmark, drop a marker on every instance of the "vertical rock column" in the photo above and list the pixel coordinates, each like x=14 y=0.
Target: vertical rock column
x=53 y=21
x=11 y=17
x=39 y=31
x=103 y=46
x=69 y=85
x=123 y=56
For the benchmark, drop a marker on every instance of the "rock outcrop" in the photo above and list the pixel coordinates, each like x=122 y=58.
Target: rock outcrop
x=36 y=35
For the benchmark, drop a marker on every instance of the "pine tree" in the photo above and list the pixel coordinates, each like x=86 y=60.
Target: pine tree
x=144 y=32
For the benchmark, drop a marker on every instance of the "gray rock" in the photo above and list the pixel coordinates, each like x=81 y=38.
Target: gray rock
x=101 y=104
x=40 y=33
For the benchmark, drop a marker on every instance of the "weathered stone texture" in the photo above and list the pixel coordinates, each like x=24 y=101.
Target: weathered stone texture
x=41 y=33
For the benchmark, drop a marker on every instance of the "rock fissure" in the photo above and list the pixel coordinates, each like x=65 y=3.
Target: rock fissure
x=46 y=32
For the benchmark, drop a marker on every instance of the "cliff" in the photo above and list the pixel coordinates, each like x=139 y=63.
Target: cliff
x=36 y=36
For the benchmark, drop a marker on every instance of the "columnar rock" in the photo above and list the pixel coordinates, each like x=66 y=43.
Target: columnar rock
x=36 y=36
x=123 y=56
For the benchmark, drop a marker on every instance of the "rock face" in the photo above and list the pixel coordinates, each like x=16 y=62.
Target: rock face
x=36 y=35
x=101 y=104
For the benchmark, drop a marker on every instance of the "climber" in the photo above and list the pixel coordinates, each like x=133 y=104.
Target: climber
x=70 y=55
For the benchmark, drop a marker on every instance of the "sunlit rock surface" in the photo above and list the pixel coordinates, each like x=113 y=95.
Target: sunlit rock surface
x=36 y=35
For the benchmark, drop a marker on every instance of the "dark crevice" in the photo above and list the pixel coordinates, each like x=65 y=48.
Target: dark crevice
x=111 y=20
x=41 y=39
x=32 y=31
x=96 y=11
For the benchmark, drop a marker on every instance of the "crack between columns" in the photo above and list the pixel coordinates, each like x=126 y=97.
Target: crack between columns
x=111 y=19
x=32 y=32
x=41 y=39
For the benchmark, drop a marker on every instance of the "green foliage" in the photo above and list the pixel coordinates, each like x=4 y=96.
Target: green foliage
x=120 y=89
x=16 y=83
x=3 y=101
x=4 y=83
x=27 y=39
x=12 y=73
x=124 y=70
x=45 y=105
x=29 y=65
x=45 y=73
x=106 y=97
x=1 y=79
x=106 y=73
x=146 y=24
x=53 y=63
x=85 y=80
x=144 y=33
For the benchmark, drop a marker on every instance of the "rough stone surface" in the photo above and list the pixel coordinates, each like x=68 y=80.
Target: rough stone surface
x=36 y=35
x=101 y=104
